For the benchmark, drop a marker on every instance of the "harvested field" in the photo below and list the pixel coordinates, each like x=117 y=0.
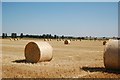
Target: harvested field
x=80 y=59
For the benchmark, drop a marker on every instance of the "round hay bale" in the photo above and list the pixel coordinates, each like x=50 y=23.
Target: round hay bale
x=15 y=39
x=112 y=54
x=45 y=39
x=67 y=42
x=38 y=52
x=11 y=39
x=104 y=42
x=48 y=39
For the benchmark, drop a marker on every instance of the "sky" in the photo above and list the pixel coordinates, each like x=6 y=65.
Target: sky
x=60 y=0
x=0 y=18
x=61 y=18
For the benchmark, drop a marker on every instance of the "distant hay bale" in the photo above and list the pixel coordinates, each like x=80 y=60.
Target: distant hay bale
x=67 y=42
x=58 y=39
x=112 y=54
x=38 y=52
x=11 y=39
x=49 y=39
x=104 y=42
x=45 y=39
x=15 y=39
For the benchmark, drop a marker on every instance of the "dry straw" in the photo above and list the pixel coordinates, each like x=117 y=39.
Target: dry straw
x=67 y=42
x=112 y=54
x=38 y=52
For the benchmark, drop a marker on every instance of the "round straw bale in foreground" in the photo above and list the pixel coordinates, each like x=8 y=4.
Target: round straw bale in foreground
x=38 y=51
x=112 y=54
x=67 y=42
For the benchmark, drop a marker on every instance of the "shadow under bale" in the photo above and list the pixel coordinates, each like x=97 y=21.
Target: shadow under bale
x=100 y=69
x=21 y=61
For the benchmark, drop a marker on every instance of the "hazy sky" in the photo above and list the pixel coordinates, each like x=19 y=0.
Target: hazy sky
x=61 y=18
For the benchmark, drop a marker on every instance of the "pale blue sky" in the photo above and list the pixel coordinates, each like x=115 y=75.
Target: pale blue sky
x=0 y=18
x=61 y=18
x=60 y=0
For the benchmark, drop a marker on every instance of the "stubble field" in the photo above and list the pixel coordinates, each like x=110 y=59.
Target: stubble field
x=79 y=59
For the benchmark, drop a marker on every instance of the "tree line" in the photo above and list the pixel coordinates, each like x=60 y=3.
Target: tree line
x=49 y=36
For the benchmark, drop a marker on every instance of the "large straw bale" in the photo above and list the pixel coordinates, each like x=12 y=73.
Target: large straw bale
x=112 y=54
x=38 y=51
